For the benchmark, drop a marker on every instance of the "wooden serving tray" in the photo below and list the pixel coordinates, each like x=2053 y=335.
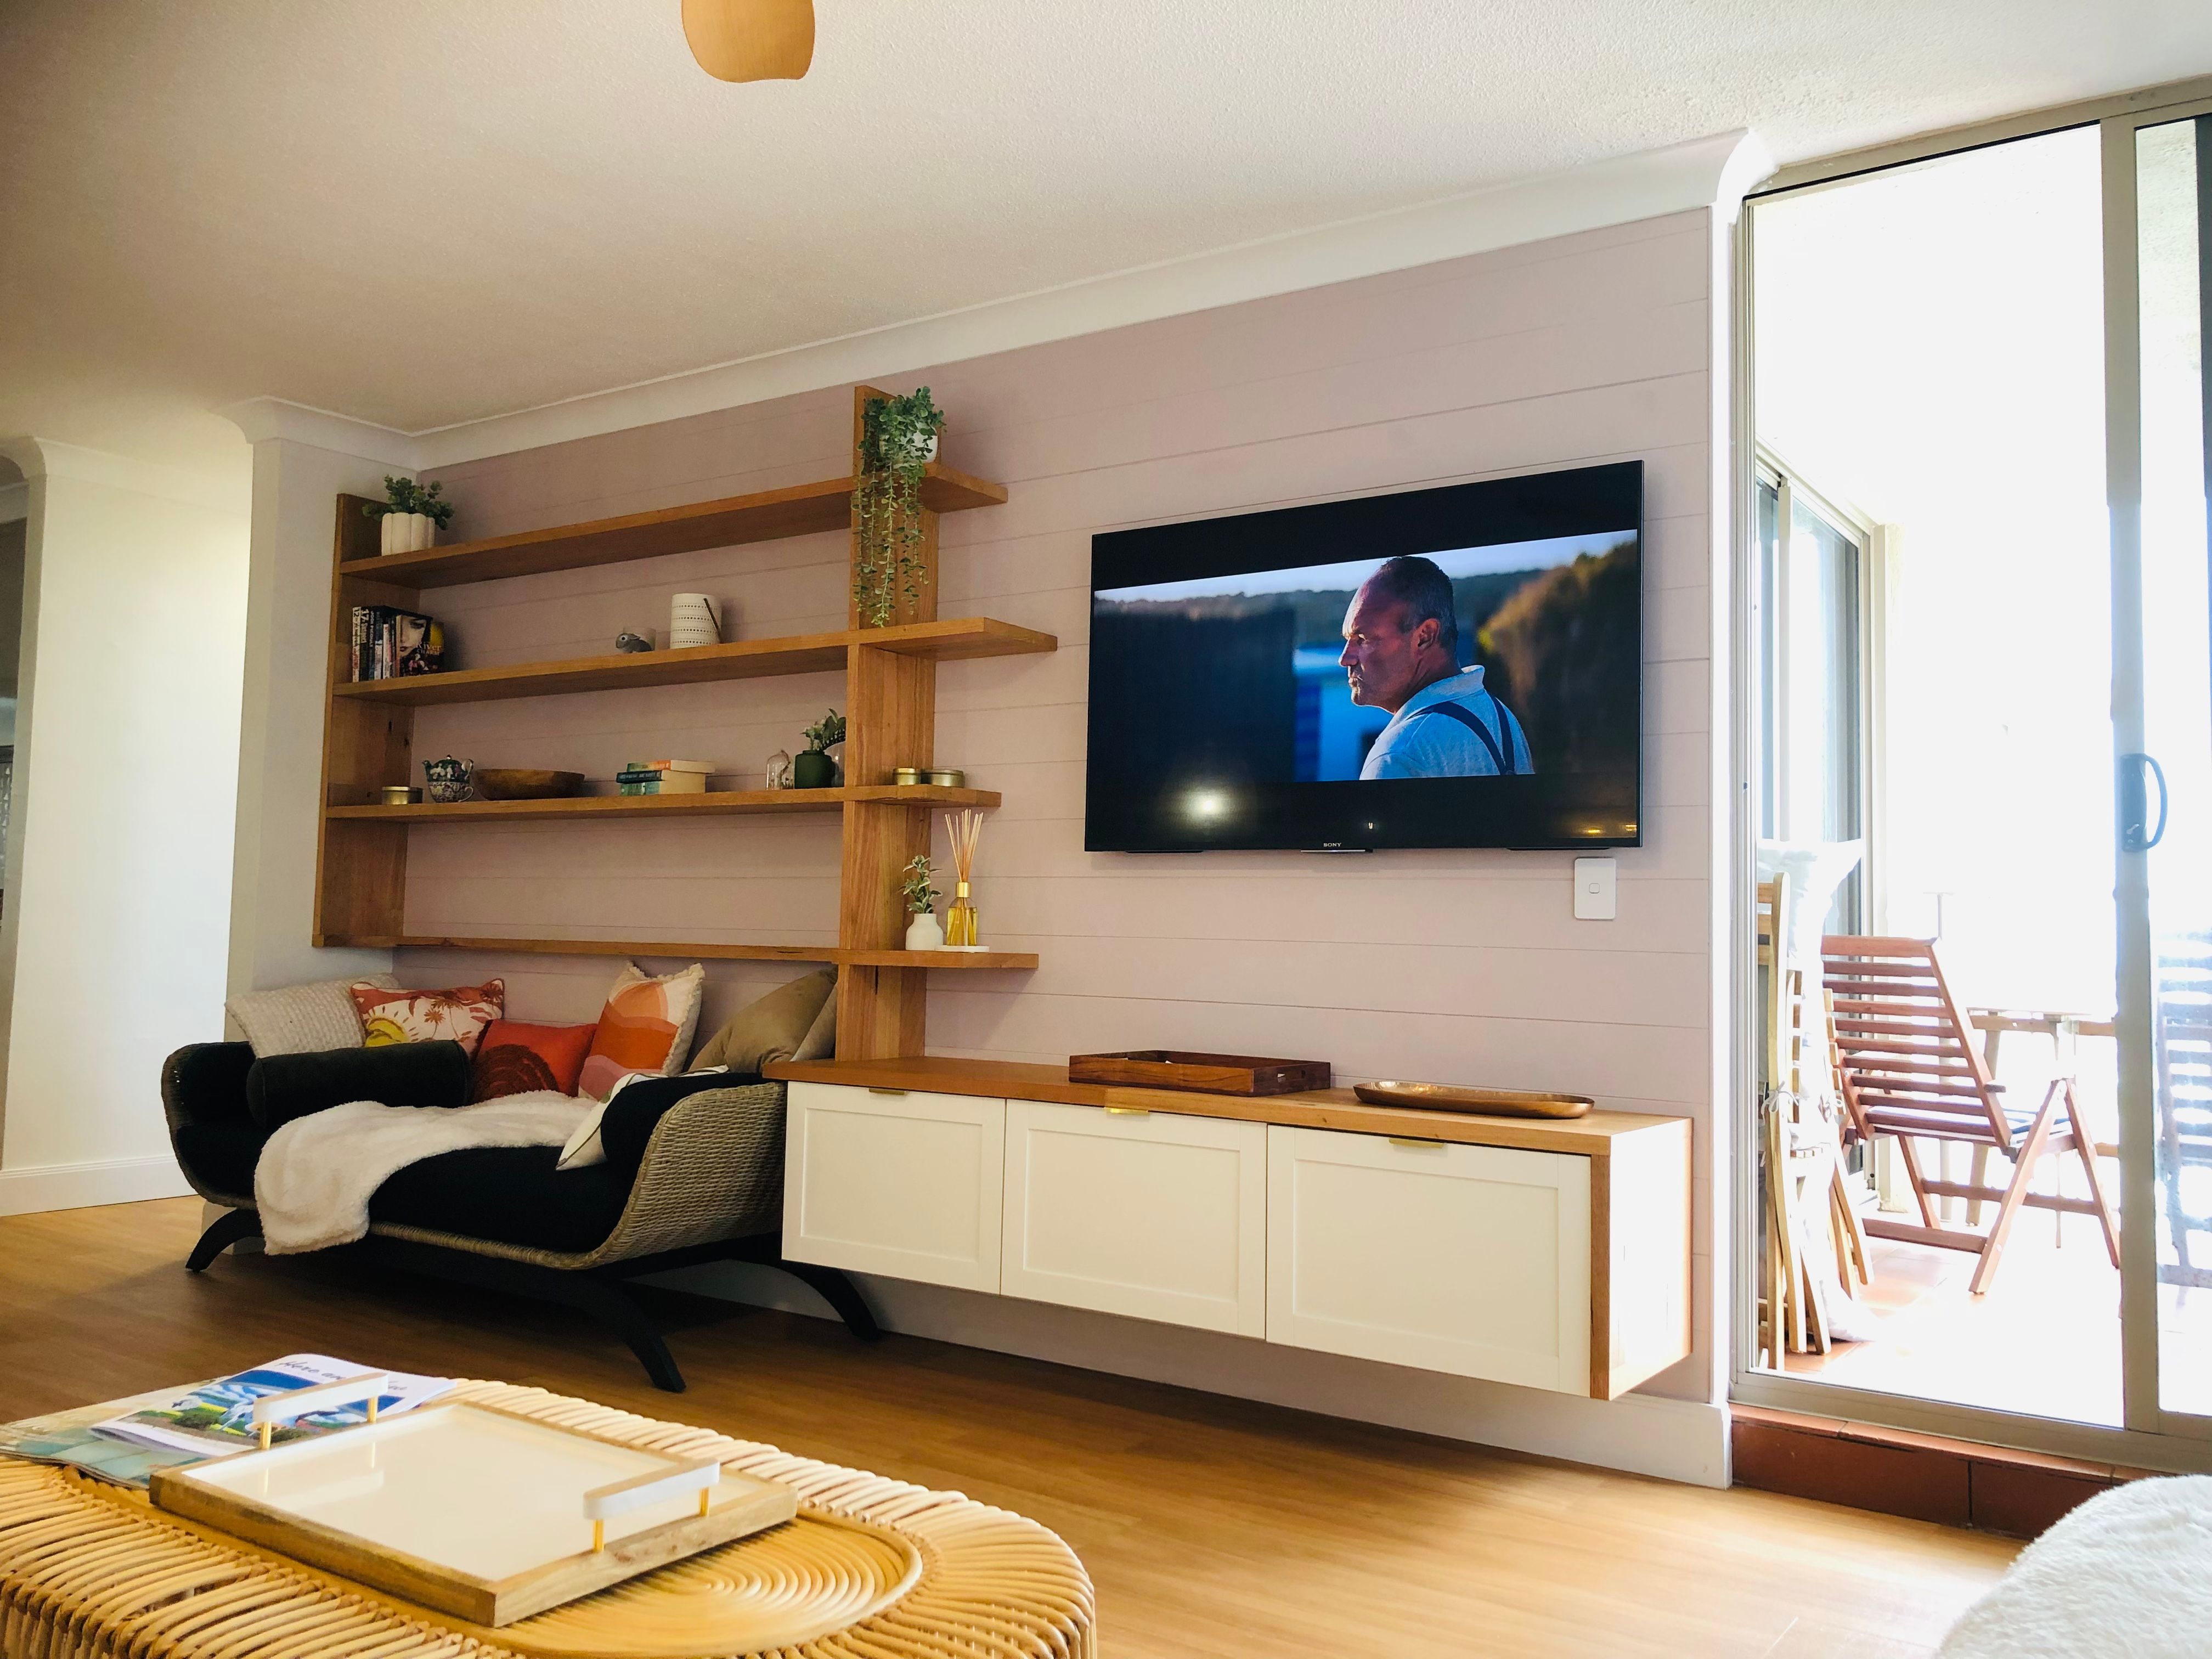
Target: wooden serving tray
x=1206 y=1074
x=1486 y=1103
x=475 y=1511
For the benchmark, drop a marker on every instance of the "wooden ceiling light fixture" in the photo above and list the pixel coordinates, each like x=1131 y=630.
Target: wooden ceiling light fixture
x=751 y=39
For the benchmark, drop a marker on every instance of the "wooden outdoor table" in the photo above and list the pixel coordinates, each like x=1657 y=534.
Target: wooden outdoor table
x=871 y=1567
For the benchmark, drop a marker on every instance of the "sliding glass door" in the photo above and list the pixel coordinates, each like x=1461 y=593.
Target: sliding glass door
x=2158 y=204
x=2037 y=814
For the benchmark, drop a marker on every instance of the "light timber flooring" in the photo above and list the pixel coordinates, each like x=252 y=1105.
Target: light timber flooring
x=1214 y=1529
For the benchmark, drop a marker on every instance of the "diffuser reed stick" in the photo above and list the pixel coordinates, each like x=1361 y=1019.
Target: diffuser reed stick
x=963 y=829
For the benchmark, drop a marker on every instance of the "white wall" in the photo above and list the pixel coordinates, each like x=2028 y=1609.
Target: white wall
x=119 y=858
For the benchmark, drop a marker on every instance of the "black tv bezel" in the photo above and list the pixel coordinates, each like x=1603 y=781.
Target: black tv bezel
x=1377 y=815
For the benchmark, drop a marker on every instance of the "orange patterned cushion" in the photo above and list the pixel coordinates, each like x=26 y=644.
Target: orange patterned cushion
x=515 y=1059
x=647 y=1026
x=460 y=1014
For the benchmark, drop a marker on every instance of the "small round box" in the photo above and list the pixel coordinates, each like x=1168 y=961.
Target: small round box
x=948 y=779
x=400 y=794
x=907 y=774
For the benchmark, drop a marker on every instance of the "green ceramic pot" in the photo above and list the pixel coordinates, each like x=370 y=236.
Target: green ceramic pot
x=812 y=770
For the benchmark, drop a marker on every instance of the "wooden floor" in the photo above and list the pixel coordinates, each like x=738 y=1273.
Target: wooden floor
x=1215 y=1530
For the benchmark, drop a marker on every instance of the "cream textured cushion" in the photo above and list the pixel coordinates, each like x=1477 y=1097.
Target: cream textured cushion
x=303 y=1019
x=770 y=1028
x=820 y=1040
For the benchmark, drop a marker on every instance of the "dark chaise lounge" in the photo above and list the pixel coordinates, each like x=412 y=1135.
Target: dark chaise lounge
x=694 y=1173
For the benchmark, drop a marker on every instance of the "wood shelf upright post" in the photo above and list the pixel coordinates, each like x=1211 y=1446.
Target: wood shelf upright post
x=891 y=722
x=360 y=867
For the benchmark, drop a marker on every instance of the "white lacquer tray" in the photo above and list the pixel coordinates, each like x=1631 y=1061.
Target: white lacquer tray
x=473 y=1510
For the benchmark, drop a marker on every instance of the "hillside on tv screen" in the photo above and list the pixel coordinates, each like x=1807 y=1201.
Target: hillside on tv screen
x=1454 y=667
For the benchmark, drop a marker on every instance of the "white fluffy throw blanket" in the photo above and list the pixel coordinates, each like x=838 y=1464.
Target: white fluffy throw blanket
x=317 y=1172
x=2130 y=1572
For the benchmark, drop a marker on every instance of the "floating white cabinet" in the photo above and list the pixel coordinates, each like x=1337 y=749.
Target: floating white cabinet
x=1156 y=1215
x=894 y=1182
x=1472 y=1259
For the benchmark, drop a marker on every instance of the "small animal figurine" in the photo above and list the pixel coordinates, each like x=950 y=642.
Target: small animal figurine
x=628 y=641
x=778 y=770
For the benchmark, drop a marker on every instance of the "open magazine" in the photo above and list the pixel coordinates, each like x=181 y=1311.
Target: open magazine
x=216 y=1418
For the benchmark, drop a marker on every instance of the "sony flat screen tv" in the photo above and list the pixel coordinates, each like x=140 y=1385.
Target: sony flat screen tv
x=1452 y=668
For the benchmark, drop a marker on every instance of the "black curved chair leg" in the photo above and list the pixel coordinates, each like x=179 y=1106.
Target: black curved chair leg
x=840 y=1292
x=613 y=1306
x=226 y=1230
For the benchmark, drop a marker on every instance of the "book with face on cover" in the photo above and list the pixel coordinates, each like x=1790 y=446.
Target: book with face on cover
x=216 y=1418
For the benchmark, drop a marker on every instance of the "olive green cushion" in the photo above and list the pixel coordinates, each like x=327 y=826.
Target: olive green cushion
x=772 y=1027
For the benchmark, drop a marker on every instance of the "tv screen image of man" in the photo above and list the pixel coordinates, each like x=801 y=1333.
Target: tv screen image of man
x=1401 y=654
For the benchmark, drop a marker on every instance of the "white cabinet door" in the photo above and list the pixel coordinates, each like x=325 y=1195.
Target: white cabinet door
x=1474 y=1260
x=897 y=1182
x=1152 y=1214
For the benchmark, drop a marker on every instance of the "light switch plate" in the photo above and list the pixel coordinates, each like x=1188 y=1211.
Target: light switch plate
x=1594 y=889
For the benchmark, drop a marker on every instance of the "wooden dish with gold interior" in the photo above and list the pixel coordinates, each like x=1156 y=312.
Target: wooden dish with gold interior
x=525 y=783
x=1485 y=1102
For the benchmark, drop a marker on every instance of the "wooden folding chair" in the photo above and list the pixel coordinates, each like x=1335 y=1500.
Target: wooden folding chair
x=1910 y=1068
x=1801 y=1156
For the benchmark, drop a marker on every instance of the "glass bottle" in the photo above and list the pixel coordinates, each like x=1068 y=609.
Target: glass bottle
x=960 y=921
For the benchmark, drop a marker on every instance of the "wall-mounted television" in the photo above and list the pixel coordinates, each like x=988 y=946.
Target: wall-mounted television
x=1452 y=667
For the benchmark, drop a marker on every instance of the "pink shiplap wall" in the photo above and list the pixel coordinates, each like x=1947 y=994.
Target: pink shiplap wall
x=1456 y=965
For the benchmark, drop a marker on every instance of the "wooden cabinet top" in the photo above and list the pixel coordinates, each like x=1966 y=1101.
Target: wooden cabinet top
x=1592 y=1136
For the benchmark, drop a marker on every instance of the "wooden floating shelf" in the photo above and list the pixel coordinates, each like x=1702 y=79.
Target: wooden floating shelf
x=831 y=954
x=764 y=516
x=802 y=653
x=712 y=804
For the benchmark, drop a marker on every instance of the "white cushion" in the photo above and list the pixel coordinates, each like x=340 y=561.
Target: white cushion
x=303 y=1019
x=1816 y=869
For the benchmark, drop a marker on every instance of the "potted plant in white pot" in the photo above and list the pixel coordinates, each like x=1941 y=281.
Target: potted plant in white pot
x=898 y=441
x=413 y=515
x=925 y=932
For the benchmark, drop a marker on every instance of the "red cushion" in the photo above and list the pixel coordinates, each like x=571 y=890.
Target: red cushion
x=513 y=1059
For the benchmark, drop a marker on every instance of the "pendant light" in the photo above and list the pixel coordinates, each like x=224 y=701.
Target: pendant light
x=751 y=39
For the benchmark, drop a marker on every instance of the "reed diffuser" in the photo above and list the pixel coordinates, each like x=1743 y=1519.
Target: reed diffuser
x=964 y=829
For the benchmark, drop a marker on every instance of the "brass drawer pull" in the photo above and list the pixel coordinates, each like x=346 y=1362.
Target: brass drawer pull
x=1412 y=1145
x=887 y=1092
x=1128 y=1111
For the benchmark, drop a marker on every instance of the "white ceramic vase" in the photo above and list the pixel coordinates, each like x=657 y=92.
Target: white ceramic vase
x=693 y=619
x=925 y=933
x=408 y=532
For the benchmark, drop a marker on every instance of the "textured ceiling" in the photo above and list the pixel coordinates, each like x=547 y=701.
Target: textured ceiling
x=422 y=211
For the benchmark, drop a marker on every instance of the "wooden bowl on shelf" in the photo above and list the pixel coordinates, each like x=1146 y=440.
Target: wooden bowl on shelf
x=525 y=783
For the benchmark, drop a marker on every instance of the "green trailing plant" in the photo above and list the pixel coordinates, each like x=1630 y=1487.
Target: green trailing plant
x=406 y=496
x=825 y=733
x=888 y=571
x=921 y=898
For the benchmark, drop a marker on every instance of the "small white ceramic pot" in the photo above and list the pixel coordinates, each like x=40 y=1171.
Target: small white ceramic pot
x=408 y=532
x=925 y=933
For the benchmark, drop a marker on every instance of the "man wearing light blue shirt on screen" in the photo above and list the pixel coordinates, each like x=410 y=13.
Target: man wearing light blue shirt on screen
x=1401 y=654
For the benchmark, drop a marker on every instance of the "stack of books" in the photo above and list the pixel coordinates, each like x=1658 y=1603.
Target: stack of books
x=662 y=777
x=389 y=643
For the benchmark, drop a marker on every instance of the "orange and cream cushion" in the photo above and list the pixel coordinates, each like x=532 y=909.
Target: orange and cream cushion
x=458 y=1015
x=647 y=1026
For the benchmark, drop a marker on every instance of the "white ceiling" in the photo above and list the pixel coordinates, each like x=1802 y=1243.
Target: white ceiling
x=416 y=212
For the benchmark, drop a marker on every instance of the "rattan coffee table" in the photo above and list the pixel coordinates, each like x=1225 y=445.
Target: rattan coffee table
x=871 y=1568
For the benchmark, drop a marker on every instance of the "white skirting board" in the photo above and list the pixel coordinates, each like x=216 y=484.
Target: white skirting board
x=79 y=1186
x=1671 y=1439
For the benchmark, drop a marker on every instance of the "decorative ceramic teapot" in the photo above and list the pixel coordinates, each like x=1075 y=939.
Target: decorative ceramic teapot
x=450 y=780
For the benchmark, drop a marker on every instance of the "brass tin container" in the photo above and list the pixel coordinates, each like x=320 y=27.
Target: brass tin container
x=907 y=774
x=946 y=778
x=400 y=794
